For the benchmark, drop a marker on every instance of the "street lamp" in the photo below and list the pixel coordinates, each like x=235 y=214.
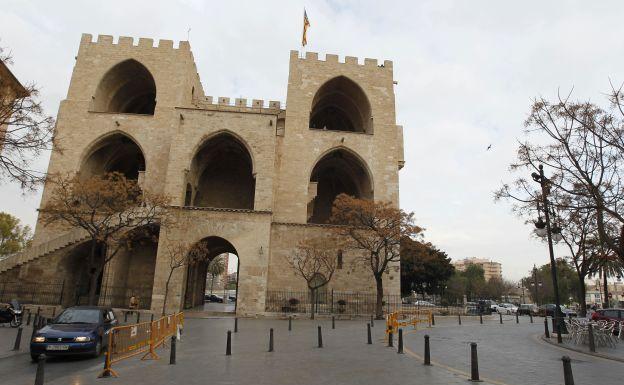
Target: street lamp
x=550 y=234
x=521 y=287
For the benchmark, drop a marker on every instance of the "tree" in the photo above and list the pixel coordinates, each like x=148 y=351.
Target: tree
x=216 y=267
x=374 y=230
x=424 y=268
x=584 y=158
x=314 y=260
x=111 y=209
x=605 y=264
x=13 y=236
x=25 y=131
x=179 y=255
x=475 y=281
x=569 y=286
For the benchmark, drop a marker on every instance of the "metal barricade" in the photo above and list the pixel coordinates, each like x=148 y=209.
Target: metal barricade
x=130 y=340
x=407 y=317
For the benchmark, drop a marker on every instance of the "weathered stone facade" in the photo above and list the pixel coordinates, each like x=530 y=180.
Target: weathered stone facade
x=252 y=177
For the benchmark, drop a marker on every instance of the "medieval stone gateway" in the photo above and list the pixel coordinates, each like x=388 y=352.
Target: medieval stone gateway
x=245 y=176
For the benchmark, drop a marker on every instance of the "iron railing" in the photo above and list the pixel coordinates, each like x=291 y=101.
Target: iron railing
x=329 y=302
x=41 y=293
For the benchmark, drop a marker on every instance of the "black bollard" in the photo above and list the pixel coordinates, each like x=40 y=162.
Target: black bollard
x=172 y=356
x=333 y=322
x=35 y=321
x=125 y=316
x=427 y=351
x=18 y=339
x=546 y=332
x=459 y=318
x=500 y=318
x=390 y=340
x=152 y=318
x=368 y=333
x=531 y=317
x=474 y=362
x=28 y=319
x=554 y=324
x=320 y=338
x=235 y=324
x=228 y=345
x=432 y=319
x=372 y=323
x=481 y=318
x=517 y=321
x=289 y=323
x=592 y=341
x=568 y=379
x=271 y=340
x=400 y=349
x=138 y=316
x=39 y=377
x=53 y=311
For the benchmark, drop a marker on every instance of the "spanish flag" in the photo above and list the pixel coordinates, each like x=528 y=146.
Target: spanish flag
x=306 y=25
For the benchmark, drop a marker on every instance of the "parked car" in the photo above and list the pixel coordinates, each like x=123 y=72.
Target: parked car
x=421 y=303
x=548 y=310
x=506 y=308
x=213 y=298
x=232 y=298
x=78 y=330
x=485 y=307
x=610 y=315
x=528 y=308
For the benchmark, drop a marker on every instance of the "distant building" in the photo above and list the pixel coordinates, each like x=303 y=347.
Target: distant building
x=491 y=269
x=10 y=90
x=594 y=293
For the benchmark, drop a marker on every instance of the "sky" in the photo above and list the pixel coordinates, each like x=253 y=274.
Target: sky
x=467 y=72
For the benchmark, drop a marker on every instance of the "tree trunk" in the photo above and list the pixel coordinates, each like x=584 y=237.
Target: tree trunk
x=212 y=277
x=583 y=302
x=379 y=303
x=166 y=292
x=605 y=301
x=313 y=303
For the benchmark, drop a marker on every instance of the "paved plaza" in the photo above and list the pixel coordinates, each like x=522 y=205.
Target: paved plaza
x=508 y=354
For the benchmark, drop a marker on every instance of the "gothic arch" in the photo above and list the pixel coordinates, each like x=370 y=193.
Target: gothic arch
x=114 y=152
x=128 y=87
x=340 y=104
x=337 y=171
x=222 y=172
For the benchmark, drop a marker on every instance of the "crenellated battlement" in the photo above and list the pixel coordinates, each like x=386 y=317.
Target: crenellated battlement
x=348 y=60
x=125 y=41
x=238 y=104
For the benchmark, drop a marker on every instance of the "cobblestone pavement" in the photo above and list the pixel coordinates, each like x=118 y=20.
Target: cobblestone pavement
x=508 y=354
x=511 y=353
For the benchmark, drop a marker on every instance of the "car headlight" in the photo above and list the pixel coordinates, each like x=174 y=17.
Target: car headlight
x=82 y=339
x=39 y=339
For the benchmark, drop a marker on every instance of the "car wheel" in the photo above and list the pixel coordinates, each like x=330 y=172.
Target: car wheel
x=15 y=323
x=98 y=348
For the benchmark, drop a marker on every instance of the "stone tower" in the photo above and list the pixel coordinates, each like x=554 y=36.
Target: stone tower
x=245 y=177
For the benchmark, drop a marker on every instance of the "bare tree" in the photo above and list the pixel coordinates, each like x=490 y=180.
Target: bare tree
x=584 y=159
x=375 y=230
x=181 y=254
x=314 y=260
x=25 y=130
x=112 y=210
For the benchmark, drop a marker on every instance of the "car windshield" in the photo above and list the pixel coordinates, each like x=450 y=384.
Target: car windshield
x=78 y=316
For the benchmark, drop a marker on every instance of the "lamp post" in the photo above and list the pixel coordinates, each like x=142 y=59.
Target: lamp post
x=552 y=233
x=521 y=287
x=535 y=284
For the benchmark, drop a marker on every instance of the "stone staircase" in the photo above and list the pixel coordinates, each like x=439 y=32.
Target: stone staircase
x=41 y=250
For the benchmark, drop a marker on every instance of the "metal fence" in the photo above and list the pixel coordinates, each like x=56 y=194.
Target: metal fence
x=62 y=293
x=42 y=293
x=329 y=302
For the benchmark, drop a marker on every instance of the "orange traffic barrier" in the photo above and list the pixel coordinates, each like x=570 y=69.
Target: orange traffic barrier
x=406 y=317
x=130 y=340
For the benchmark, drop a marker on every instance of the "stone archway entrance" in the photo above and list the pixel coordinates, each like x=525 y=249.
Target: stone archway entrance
x=216 y=266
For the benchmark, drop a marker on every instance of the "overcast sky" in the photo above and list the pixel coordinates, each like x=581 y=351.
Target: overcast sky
x=466 y=72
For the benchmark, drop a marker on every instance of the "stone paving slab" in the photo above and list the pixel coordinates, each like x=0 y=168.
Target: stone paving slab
x=344 y=359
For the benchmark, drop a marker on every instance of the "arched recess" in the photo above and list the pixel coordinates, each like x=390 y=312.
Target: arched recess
x=222 y=173
x=338 y=171
x=341 y=105
x=128 y=87
x=114 y=153
x=204 y=253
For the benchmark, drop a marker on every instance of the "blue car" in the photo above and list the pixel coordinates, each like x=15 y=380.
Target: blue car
x=79 y=330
